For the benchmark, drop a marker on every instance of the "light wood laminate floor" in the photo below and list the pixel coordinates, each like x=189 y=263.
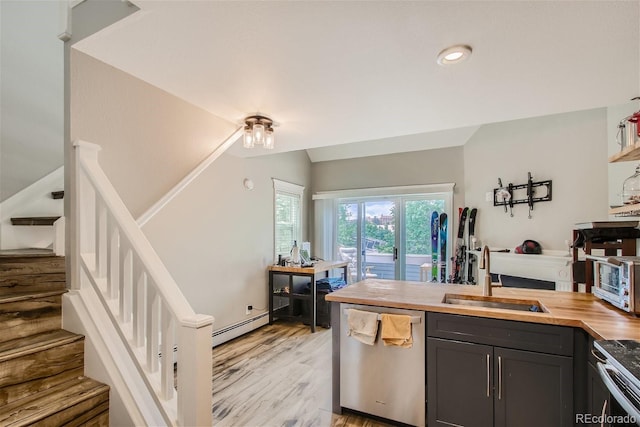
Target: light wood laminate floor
x=278 y=375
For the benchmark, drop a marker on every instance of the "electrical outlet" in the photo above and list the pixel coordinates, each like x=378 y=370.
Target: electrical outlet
x=248 y=310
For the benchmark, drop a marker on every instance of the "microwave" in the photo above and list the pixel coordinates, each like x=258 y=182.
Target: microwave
x=617 y=281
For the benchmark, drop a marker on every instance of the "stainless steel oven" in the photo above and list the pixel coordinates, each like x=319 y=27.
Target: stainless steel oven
x=620 y=371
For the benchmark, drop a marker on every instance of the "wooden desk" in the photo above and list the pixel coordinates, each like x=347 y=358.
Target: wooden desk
x=310 y=272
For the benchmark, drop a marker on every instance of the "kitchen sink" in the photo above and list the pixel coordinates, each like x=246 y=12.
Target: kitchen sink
x=494 y=302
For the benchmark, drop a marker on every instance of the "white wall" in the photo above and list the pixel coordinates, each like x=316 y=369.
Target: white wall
x=216 y=237
x=418 y=167
x=150 y=139
x=412 y=168
x=570 y=149
x=35 y=200
x=31 y=93
x=618 y=171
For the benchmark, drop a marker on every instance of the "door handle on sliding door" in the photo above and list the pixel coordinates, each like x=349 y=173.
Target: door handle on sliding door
x=395 y=253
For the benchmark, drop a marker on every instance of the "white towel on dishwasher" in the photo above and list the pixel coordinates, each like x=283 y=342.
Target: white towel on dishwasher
x=363 y=325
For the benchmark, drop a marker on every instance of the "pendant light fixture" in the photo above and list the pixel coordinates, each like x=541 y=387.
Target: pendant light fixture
x=258 y=130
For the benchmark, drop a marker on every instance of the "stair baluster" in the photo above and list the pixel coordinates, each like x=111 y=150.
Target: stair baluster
x=120 y=265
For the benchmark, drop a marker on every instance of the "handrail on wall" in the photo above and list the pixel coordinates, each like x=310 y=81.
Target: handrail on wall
x=156 y=207
x=142 y=299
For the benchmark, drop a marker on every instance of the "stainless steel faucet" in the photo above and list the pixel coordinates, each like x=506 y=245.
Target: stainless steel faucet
x=485 y=263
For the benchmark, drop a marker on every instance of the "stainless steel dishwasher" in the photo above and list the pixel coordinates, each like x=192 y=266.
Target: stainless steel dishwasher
x=381 y=380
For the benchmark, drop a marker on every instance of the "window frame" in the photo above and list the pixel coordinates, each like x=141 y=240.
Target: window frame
x=326 y=214
x=288 y=189
x=400 y=234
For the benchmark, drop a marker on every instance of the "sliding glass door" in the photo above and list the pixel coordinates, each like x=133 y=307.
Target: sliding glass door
x=415 y=247
x=380 y=248
x=388 y=237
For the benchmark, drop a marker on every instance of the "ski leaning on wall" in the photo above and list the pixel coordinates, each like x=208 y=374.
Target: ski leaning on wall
x=459 y=258
x=435 y=230
x=471 y=245
x=443 y=248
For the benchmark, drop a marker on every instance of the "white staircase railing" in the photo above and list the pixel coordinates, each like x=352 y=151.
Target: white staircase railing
x=145 y=304
x=191 y=176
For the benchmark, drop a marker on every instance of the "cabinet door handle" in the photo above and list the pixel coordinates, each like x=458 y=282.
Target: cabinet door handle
x=488 y=375
x=499 y=377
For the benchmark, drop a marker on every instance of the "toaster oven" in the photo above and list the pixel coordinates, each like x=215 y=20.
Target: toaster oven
x=617 y=281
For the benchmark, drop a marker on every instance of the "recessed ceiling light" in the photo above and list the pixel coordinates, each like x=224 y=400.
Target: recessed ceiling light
x=454 y=54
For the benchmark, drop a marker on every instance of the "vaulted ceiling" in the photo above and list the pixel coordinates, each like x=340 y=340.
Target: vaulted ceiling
x=364 y=73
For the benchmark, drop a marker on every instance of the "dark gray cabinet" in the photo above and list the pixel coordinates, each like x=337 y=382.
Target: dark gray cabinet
x=487 y=372
x=532 y=389
x=459 y=383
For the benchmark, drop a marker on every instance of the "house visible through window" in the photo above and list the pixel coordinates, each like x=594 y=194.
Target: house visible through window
x=388 y=237
x=287 y=215
x=386 y=232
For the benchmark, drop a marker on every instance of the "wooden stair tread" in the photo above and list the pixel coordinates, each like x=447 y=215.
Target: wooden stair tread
x=18 y=266
x=34 y=343
x=39 y=406
x=35 y=220
x=26 y=253
x=42 y=378
x=24 y=296
x=29 y=311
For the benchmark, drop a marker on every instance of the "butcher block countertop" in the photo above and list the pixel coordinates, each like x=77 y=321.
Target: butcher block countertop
x=601 y=320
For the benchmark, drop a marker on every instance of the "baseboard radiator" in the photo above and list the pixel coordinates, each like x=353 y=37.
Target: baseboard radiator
x=230 y=332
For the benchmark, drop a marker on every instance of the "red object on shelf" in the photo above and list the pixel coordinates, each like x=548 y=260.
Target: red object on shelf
x=635 y=118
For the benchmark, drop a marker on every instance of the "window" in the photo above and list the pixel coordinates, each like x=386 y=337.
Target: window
x=393 y=234
x=287 y=216
x=385 y=232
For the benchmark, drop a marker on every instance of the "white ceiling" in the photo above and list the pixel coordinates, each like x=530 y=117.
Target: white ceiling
x=344 y=72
